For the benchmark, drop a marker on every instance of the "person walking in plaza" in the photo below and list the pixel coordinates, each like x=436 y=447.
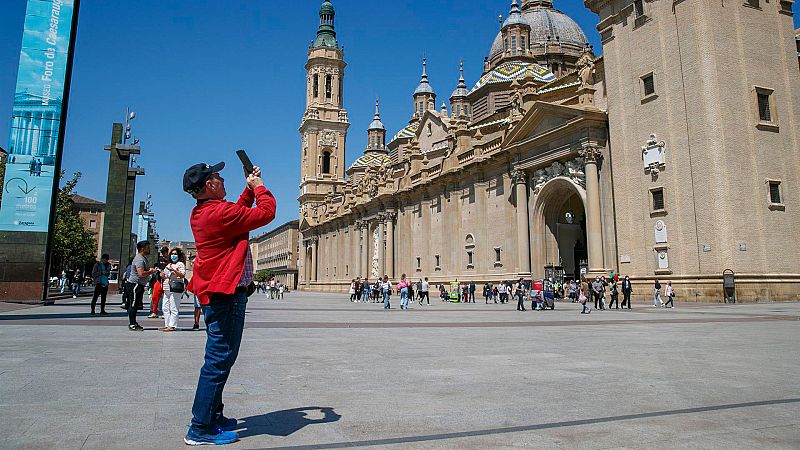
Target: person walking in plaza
x=614 y=291
x=626 y=292
x=402 y=287
x=386 y=289
x=519 y=291
x=583 y=296
x=410 y=296
x=174 y=284
x=670 y=294
x=100 y=274
x=657 y=295
x=597 y=293
x=222 y=280
x=359 y=288
x=76 y=283
x=352 y=290
x=424 y=291
x=365 y=290
x=472 y=291
x=62 y=281
x=573 y=291
x=137 y=282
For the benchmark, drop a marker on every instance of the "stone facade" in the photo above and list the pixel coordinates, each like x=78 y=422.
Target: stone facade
x=277 y=251
x=652 y=161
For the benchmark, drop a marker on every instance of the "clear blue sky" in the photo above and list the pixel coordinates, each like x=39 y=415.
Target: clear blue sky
x=208 y=77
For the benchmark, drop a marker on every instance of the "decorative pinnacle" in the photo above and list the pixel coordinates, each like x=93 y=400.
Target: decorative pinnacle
x=424 y=67
x=377 y=113
x=461 y=71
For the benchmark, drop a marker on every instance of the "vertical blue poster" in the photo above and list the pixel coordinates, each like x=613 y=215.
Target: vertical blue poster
x=36 y=117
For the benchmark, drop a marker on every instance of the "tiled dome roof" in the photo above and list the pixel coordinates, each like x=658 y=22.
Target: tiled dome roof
x=514 y=70
x=372 y=159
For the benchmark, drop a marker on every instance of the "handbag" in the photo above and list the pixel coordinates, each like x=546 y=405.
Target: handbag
x=582 y=299
x=177 y=286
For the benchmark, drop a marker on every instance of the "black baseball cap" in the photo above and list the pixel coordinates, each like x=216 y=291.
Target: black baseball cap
x=196 y=176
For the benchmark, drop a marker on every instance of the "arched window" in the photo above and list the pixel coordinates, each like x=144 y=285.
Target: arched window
x=316 y=85
x=326 y=162
x=513 y=45
x=328 y=86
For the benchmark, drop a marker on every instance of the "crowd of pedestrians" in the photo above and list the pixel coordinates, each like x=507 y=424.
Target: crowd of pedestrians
x=605 y=292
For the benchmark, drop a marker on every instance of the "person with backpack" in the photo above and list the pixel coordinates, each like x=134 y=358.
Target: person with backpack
x=657 y=295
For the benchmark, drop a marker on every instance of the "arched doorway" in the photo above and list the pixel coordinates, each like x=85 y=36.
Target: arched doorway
x=558 y=229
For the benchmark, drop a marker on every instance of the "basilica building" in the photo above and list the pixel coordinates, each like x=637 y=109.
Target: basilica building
x=674 y=156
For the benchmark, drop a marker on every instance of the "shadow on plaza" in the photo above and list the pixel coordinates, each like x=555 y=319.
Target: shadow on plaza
x=285 y=422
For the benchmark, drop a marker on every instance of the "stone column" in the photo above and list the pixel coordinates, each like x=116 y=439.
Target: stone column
x=381 y=248
x=594 y=225
x=390 y=244
x=314 y=243
x=519 y=179
x=364 y=249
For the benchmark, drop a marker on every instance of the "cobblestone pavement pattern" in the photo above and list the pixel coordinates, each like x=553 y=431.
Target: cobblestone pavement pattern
x=317 y=371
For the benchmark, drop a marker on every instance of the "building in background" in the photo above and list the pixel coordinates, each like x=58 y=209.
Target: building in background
x=277 y=251
x=92 y=213
x=3 y=155
x=672 y=157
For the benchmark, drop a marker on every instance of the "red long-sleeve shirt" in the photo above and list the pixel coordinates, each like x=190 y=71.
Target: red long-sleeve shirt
x=221 y=233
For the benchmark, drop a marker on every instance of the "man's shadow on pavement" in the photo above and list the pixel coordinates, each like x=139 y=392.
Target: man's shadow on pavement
x=286 y=422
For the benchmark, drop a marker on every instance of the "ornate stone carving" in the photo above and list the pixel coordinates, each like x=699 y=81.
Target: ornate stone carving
x=654 y=155
x=591 y=154
x=540 y=178
x=377 y=246
x=328 y=139
x=572 y=169
x=585 y=67
x=576 y=172
x=518 y=176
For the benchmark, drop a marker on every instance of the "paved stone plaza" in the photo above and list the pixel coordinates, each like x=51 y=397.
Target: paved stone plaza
x=317 y=371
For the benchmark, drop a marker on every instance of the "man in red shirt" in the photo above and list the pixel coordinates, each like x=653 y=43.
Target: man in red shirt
x=222 y=280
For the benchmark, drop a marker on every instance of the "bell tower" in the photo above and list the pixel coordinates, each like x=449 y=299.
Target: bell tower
x=323 y=129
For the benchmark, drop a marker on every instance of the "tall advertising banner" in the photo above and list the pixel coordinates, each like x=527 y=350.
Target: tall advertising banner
x=35 y=145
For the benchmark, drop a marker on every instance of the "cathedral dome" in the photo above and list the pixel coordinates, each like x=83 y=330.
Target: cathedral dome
x=548 y=25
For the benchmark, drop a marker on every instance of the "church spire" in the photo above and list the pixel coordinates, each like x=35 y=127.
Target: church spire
x=376 y=134
x=424 y=87
x=326 y=34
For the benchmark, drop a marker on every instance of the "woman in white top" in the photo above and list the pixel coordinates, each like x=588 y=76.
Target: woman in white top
x=174 y=272
x=386 y=288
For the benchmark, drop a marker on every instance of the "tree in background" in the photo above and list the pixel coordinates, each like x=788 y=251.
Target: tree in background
x=72 y=243
x=263 y=276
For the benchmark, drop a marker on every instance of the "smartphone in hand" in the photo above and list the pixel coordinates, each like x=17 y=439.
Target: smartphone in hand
x=248 y=165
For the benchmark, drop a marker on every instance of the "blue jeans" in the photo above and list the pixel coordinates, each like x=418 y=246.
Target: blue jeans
x=224 y=318
x=386 y=300
x=404 y=298
x=365 y=295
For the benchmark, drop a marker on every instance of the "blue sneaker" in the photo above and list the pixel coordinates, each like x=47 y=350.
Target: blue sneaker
x=227 y=424
x=194 y=437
